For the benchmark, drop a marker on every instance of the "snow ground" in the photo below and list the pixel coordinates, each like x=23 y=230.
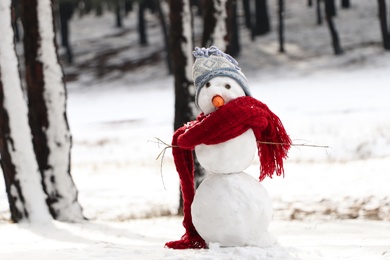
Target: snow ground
x=142 y=239
x=336 y=195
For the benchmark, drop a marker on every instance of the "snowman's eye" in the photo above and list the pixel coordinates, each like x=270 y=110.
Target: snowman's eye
x=208 y=84
x=227 y=86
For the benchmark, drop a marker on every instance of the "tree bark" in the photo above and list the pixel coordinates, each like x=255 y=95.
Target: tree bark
x=331 y=6
x=262 y=23
x=66 y=12
x=332 y=29
x=181 y=42
x=318 y=11
x=233 y=39
x=141 y=24
x=209 y=22
x=281 y=25
x=382 y=9
x=20 y=169
x=247 y=13
x=345 y=4
x=47 y=110
x=118 y=14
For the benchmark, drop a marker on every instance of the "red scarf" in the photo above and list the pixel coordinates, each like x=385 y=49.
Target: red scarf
x=229 y=121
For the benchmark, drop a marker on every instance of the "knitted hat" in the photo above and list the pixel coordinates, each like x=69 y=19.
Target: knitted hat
x=211 y=63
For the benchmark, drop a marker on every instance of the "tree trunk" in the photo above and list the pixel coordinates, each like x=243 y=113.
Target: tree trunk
x=332 y=29
x=262 y=24
x=15 y=16
x=215 y=31
x=318 y=11
x=181 y=40
x=66 y=12
x=47 y=109
x=247 y=13
x=383 y=23
x=233 y=39
x=281 y=25
x=118 y=14
x=331 y=6
x=20 y=169
x=345 y=4
x=141 y=24
x=209 y=22
x=164 y=29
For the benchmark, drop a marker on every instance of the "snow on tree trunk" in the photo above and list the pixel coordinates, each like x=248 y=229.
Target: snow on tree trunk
x=20 y=168
x=214 y=25
x=220 y=30
x=47 y=107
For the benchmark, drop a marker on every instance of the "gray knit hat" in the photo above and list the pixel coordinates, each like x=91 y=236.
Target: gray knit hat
x=211 y=63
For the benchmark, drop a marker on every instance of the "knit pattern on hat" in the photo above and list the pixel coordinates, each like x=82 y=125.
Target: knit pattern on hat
x=212 y=62
x=229 y=121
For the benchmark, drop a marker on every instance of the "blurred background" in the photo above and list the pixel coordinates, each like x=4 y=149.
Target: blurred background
x=322 y=66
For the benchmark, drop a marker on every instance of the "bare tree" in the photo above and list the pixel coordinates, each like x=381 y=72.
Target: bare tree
x=47 y=109
x=143 y=40
x=318 y=12
x=281 y=25
x=20 y=169
x=329 y=13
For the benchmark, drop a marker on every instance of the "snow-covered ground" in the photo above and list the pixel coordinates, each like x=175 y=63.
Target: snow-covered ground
x=327 y=206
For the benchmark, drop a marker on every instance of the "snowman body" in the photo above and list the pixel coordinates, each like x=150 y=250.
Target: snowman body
x=230 y=207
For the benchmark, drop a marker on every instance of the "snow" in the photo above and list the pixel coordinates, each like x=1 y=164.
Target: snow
x=143 y=239
x=332 y=204
x=19 y=145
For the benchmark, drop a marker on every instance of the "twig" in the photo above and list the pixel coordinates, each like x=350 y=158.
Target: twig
x=161 y=155
x=304 y=145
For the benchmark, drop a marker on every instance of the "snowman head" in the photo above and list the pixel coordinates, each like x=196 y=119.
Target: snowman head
x=216 y=74
x=217 y=92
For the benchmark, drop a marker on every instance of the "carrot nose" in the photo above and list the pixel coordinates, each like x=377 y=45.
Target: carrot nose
x=218 y=101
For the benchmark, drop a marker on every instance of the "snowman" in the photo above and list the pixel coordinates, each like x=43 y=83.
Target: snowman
x=229 y=207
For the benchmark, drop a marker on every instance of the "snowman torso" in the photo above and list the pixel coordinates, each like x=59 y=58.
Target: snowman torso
x=234 y=155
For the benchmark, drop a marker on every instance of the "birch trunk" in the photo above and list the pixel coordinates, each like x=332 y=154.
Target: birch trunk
x=47 y=109
x=20 y=168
